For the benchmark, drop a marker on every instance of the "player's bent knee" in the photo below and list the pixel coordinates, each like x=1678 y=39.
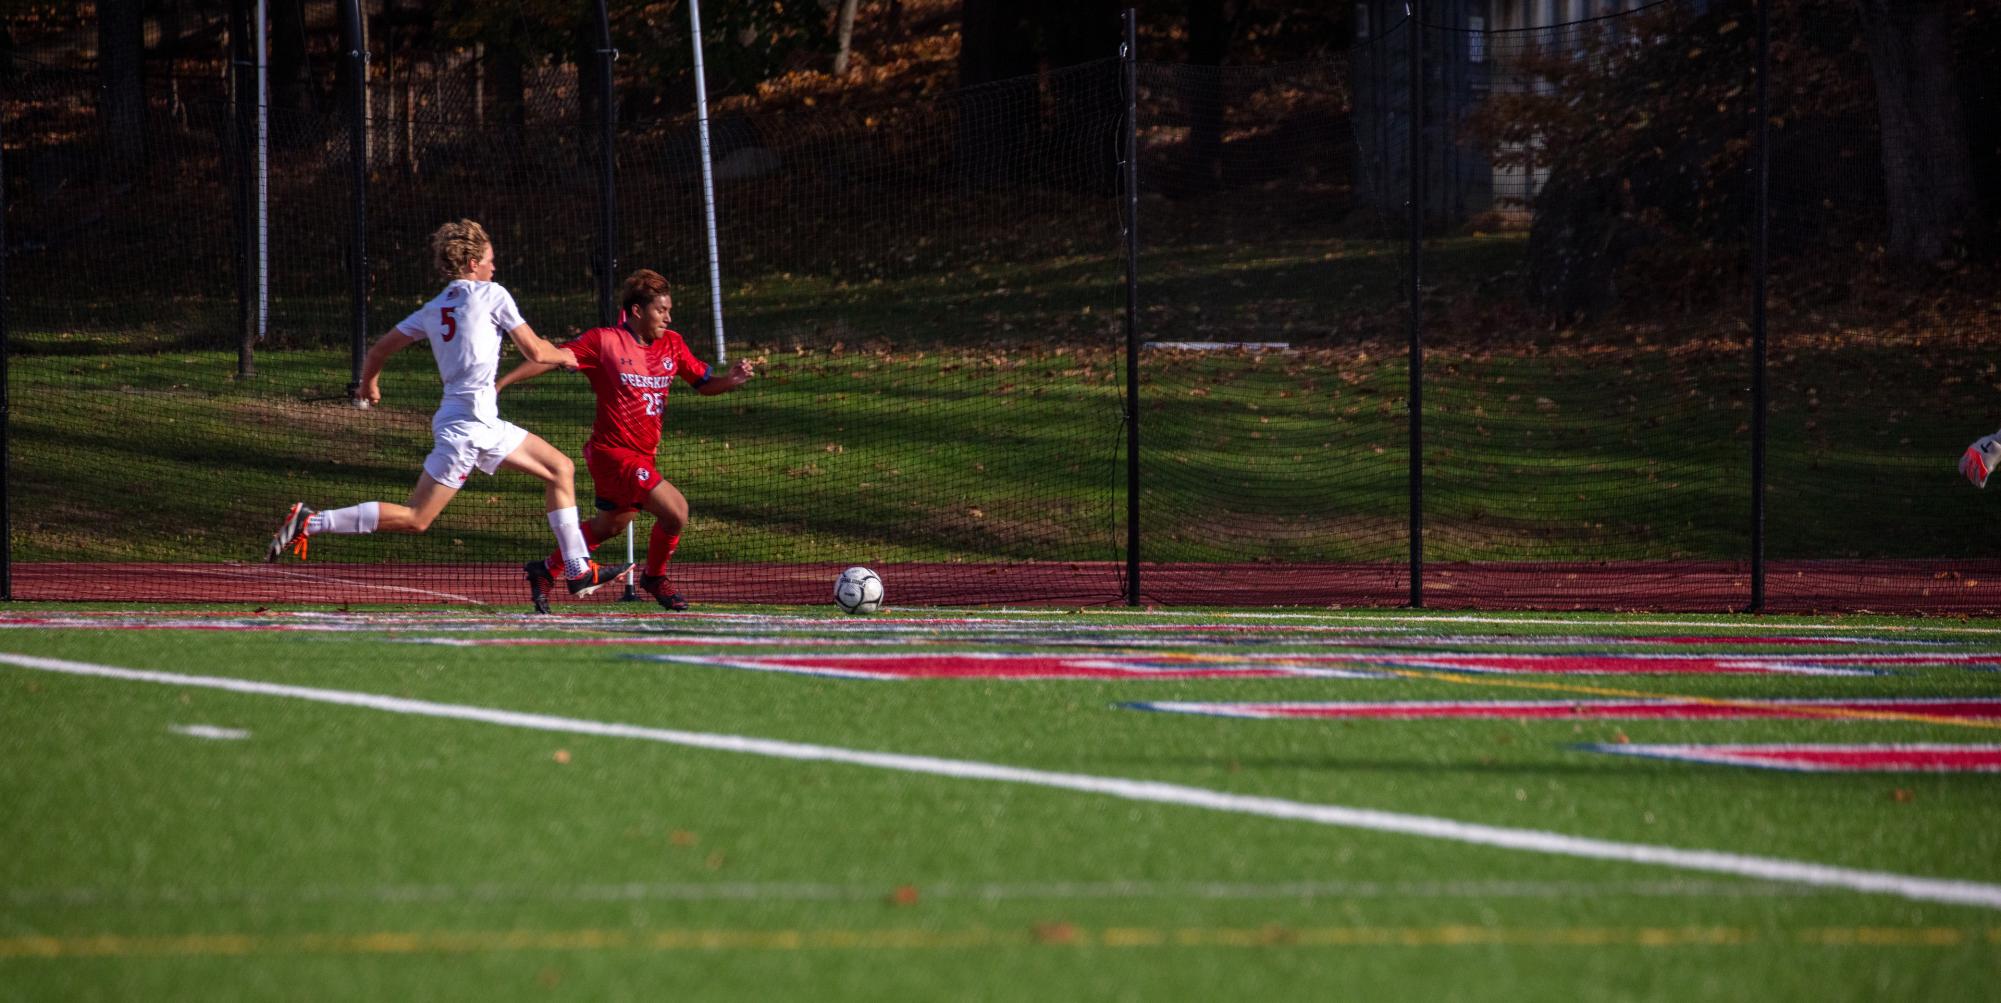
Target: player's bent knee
x=559 y=470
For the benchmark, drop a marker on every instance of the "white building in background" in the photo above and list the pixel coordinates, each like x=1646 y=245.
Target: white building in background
x=1475 y=49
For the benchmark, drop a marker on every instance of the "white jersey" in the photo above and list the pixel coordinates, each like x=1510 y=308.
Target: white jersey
x=465 y=325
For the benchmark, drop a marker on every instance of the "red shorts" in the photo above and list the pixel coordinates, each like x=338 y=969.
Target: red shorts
x=621 y=477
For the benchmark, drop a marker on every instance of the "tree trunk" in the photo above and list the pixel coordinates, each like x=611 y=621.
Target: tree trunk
x=591 y=111
x=290 y=89
x=1085 y=89
x=121 y=65
x=507 y=93
x=1208 y=41
x=996 y=124
x=993 y=43
x=844 y=33
x=1927 y=167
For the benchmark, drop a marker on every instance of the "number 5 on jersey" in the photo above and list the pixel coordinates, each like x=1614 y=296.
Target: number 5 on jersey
x=451 y=323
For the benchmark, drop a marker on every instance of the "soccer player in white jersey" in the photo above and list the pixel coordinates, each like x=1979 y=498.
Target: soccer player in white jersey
x=464 y=324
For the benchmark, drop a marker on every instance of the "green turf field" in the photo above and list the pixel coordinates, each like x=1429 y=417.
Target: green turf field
x=242 y=825
x=811 y=463
x=889 y=411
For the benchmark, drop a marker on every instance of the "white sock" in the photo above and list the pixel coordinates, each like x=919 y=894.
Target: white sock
x=362 y=518
x=570 y=540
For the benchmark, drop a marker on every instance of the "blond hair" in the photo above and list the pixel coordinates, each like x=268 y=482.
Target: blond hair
x=457 y=246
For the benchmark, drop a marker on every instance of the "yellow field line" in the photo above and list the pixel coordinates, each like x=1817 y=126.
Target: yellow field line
x=917 y=938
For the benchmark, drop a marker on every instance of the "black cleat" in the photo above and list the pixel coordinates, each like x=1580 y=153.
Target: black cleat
x=539 y=580
x=595 y=577
x=656 y=586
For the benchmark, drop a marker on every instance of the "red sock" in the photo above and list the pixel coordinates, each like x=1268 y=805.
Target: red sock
x=659 y=550
x=554 y=562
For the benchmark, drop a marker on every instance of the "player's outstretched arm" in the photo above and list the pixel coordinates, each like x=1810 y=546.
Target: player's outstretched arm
x=739 y=374
x=537 y=349
x=378 y=355
x=524 y=371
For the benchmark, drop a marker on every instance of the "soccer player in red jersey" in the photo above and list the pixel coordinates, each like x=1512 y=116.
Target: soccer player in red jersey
x=631 y=367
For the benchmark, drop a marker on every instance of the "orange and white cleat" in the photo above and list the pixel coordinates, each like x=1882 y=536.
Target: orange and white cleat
x=595 y=577
x=291 y=534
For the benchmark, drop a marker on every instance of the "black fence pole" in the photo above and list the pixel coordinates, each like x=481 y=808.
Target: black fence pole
x=607 y=192
x=608 y=206
x=357 y=155
x=243 y=94
x=1414 y=23
x=1760 y=259
x=6 y=457
x=1128 y=58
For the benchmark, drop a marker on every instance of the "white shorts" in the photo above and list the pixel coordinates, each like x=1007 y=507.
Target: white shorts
x=463 y=445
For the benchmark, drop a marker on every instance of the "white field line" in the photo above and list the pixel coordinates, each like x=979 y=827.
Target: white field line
x=282 y=572
x=1924 y=889
x=208 y=731
x=797 y=891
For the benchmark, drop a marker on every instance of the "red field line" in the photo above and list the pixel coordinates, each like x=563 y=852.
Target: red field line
x=1904 y=586
x=1617 y=710
x=1911 y=758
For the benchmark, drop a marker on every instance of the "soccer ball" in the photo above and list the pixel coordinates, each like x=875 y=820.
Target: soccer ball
x=858 y=590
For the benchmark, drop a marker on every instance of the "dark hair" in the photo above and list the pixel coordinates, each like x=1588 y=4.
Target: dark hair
x=641 y=288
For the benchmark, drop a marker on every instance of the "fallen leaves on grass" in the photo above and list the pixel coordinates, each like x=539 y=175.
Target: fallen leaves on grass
x=1054 y=933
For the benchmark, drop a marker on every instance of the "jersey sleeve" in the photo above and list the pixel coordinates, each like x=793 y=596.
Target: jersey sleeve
x=414 y=326
x=506 y=316
x=585 y=348
x=693 y=371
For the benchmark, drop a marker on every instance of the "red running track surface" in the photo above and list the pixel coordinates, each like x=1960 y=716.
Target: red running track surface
x=1933 y=587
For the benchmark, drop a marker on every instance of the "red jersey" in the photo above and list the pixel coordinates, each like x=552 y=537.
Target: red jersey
x=631 y=381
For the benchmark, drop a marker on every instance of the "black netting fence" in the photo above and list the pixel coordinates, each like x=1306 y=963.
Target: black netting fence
x=934 y=293
x=1274 y=441
x=1601 y=442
